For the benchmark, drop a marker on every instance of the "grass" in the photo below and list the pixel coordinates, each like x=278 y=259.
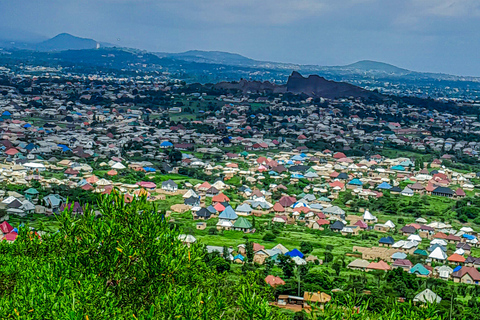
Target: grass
x=38 y=221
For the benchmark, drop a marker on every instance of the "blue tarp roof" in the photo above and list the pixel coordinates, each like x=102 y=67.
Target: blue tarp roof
x=468 y=236
x=149 y=169
x=166 y=144
x=64 y=147
x=457 y=268
x=27 y=125
x=294 y=253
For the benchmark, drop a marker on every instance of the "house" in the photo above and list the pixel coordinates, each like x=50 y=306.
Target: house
x=456 y=259
x=419 y=270
x=317 y=299
x=228 y=214
x=438 y=255
x=402 y=263
x=408 y=230
x=242 y=224
x=294 y=253
x=337 y=226
x=427 y=296
x=444 y=272
x=358 y=264
x=274 y=281
x=169 y=186
x=368 y=217
x=244 y=209
x=469 y=275
x=202 y=214
x=380 y=265
x=192 y=201
x=443 y=192
x=386 y=241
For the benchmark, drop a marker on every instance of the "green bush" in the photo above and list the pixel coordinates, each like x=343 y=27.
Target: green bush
x=125 y=264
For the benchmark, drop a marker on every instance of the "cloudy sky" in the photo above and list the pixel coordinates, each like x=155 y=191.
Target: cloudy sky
x=422 y=35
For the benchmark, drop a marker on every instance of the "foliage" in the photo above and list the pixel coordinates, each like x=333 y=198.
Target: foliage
x=127 y=263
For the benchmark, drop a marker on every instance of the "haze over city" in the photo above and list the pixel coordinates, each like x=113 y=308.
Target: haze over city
x=429 y=35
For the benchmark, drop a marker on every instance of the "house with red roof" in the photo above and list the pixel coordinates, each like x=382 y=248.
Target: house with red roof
x=5 y=227
x=380 y=265
x=274 y=281
x=456 y=259
x=469 y=275
x=220 y=198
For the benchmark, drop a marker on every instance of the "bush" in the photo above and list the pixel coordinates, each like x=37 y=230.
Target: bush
x=269 y=236
x=125 y=264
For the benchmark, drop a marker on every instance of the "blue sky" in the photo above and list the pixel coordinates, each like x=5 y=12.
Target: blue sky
x=422 y=35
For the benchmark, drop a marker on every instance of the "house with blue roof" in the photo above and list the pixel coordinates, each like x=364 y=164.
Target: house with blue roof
x=355 y=182
x=238 y=258
x=228 y=214
x=6 y=115
x=386 y=241
x=294 y=253
x=398 y=168
x=384 y=186
x=407 y=163
x=399 y=256
x=166 y=144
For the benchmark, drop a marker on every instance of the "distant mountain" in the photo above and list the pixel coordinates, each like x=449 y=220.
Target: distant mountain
x=216 y=57
x=368 y=65
x=313 y=86
x=65 y=41
x=316 y=86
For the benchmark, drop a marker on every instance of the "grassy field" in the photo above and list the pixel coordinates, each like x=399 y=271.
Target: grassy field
x=37 y=221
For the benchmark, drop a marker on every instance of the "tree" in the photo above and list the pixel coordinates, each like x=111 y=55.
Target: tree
x=269 y=236
x=287 y=265
x=249 y=251
x=174 y=155
x=328 y=257
x=226 y=254
x=126 y=263
x=306 y=247
x=337 y=266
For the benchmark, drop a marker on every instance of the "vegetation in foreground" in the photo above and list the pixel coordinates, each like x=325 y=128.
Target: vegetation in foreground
x=128 y=263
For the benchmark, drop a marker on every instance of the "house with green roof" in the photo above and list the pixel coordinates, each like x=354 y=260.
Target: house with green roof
x=421 y=252
x=31 y=193
x=419 y=270
x=242 y=224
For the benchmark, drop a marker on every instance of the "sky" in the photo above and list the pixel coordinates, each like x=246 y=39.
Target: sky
x=421 y=35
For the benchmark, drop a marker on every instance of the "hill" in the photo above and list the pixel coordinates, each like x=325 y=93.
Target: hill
x=313 y=86
x=65 y=41
x=317 y=86
x=368 y=65
x=216 y=57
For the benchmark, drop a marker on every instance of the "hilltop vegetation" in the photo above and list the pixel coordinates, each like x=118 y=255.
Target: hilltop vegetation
x=128 y=263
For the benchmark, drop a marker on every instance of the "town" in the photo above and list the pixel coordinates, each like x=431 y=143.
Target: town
x=326 y=196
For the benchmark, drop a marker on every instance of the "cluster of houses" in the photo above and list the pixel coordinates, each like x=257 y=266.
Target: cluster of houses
x=445 y=252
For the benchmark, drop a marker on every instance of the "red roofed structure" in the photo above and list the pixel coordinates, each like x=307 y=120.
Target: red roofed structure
x=274 y=281
x=220 y=198
x=456 y=258
x=6 y=227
